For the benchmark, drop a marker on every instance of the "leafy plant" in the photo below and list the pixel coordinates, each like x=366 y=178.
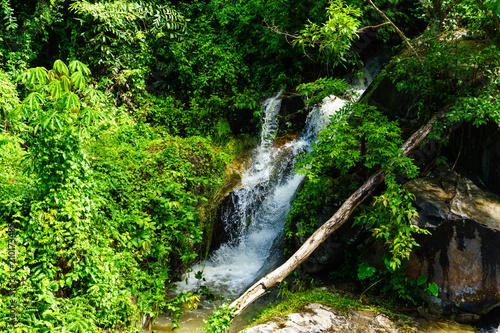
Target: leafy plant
x=316 y=91
x=334 y=37
x=220 y=321
x=391 y=219
x=431 y=289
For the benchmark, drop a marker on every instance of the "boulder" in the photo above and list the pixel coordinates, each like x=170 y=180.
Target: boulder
x=319 y=318
x=462 y=256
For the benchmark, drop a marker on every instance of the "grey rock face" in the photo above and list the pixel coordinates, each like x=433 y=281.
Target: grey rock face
x=462 y=256
x=320 y=318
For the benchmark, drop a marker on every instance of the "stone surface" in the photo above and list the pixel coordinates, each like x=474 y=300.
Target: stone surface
x=462 y=256
x=319 y=318
x=293 y=117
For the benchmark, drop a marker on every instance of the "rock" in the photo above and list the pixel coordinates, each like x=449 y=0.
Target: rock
x=319 y=318
x=462 y=256
x=293 y=116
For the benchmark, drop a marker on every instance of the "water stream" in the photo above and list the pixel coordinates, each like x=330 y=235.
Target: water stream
x=257 y=215
x=260 y=206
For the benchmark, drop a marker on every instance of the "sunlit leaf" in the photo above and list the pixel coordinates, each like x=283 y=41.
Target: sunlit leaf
x=65 y=83
x=34 y=101
x=72 y=102
x=55 y=89
x=60 y=68
x=78 y=80
x=77 y=66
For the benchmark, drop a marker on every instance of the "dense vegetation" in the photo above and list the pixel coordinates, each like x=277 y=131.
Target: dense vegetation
x=117 y=119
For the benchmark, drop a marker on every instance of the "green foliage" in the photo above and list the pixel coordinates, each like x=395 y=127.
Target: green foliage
x=358 y=133
x=391 y=219
x=220 y=321
x=302 y=220
x=451 y=69
x=59 y=110
x=9 y=102
x=108 y=213
x=174 y=305
x=316 y=91
x=334 y=37
x=431 y=289
x=365 y=271
x=479 y=109
x=118 y=29
x=305 y=207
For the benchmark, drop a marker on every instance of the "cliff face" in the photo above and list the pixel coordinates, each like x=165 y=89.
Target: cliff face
x=462 y=256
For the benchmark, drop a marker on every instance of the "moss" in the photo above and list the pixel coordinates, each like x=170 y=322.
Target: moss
x=296 y=301
x=340 y=301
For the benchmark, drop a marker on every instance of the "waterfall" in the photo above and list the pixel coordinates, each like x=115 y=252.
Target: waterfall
x=261 y=204
x=256 y=216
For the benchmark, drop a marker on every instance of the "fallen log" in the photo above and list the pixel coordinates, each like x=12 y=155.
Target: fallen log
x=262 y=286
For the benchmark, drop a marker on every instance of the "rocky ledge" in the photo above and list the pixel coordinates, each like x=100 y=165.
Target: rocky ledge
x=462 y=256
x=318 y=318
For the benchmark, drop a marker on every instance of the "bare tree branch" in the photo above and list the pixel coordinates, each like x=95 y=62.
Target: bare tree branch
x=400 y=33
x=373 y=26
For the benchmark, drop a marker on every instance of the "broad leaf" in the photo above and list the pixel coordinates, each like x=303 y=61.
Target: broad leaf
x=421 y=280
x=34 y=101
x=78 y=80
x=72 y=102
x=65 y=83
x=60 y=68
x=77 y=66
x=34 y=77
x=55 y=89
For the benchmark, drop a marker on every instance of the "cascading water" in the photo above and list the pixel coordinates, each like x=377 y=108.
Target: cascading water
x=259 y=209
x=261 y=203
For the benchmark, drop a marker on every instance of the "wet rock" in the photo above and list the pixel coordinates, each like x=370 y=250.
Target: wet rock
x=386 y=97
x=462 y=256
x=223 y=202
x=293 y=116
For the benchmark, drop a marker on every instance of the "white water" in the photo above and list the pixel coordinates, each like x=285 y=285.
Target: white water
x=262 y=203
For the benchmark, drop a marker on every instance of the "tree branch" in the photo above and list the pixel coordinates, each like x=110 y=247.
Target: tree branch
x=373 y=26
x=400 y=33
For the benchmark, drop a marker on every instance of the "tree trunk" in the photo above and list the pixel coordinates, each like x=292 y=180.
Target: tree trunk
x=321 y=234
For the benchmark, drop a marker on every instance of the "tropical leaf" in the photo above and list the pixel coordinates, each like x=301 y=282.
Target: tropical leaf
x=65 y=83
x=72 y=102
x=90 y=115
x=34 y=101
x=78 y=80
x=60 y=68
x=35 y=77
x=77 y=66
x=55 y=89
